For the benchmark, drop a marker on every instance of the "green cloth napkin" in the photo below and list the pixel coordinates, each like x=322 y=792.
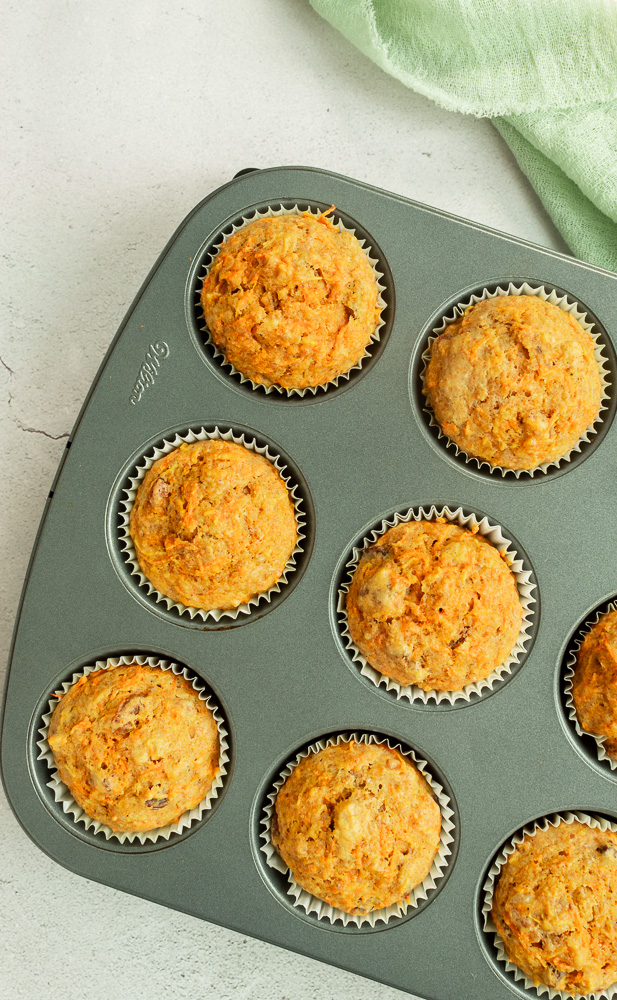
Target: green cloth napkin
x=545 y=72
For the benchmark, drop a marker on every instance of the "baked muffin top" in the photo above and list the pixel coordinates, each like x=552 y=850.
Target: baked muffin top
x=594 y=685
x=291 y=301
x=435 y=605
x=514 y=381
x=358 y=826
x=213 y=524
x=555 y=907
x=135 y=745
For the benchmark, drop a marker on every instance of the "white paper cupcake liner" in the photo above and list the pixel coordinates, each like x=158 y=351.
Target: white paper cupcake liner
x=597 y=822
x=568 y=305
x=62 y=794
x=128 y=499
x=277 y=389
x=568 y=679
x=312 y=904
x=494 y=534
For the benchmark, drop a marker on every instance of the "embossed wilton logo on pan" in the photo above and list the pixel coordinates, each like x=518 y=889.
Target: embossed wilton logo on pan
x=149 y=369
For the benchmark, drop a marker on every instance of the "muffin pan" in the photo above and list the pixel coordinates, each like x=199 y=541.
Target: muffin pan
x=357 y=453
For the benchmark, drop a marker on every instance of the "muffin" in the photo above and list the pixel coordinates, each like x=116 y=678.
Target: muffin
x=514 y=381
x=135 y=745
x=291 y=301
x=435 y=605
x=213 y=525
x=358 y=826
x=594 y=685
x=555 y=907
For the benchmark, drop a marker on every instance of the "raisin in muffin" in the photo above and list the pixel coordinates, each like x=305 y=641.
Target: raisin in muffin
x=291 y=301
x=435 y=605
x=135 y=745
x=594 y=685
x=555 y=907
x=358 y=826
x=514 y=382
x=213 y=525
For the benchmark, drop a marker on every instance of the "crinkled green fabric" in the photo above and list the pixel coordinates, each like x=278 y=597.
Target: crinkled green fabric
x=545 y=71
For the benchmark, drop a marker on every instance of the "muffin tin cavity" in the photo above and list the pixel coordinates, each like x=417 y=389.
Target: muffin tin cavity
x=490 y=941
x=122 y=551
x=587 y=744
x=307 y=907
x=364 y=461
x=411 y=694
x=56 y=796
x=452 y=310
x=215 y=359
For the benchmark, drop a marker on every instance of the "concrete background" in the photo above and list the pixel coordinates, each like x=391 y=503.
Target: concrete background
x=118 y=119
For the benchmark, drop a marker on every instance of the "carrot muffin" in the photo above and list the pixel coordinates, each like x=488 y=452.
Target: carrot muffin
x=358 y=826
x=514 y=381
x=291 y=301
x=594 y=685
x=213 y=525
x=435 y=605
x=135 y=745
x=555 y=907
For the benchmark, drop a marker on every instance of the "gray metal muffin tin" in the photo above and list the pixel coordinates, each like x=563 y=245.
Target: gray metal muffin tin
x=282 y=675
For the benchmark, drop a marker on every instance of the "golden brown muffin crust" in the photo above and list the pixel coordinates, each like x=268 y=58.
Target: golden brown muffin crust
x=291 y=300
x=514 y=381
x=213 y=525
x=358 y=826
x=594 y=685
x=435 y=605
x=135 y=745
x=555 y=907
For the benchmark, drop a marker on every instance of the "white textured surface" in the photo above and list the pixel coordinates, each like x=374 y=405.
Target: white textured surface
x=118 y=119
